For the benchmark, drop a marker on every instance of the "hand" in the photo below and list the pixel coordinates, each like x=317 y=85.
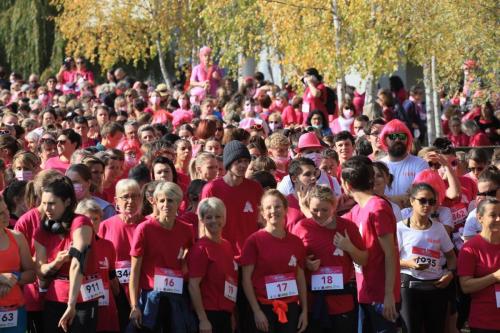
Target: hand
x=302 y=322
x=61 y=258
x=444 y=281
x=205 y=326
x=390 y=312
x=496 y=275
x=412 y=264
x=136 y=316
x=67 y=318
x=4 y=290
x=8 y=279
x=311 y=264
x=261 y=321
x=341 y=242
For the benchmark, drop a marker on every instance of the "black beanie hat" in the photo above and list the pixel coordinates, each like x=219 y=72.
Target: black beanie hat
x=234 y=150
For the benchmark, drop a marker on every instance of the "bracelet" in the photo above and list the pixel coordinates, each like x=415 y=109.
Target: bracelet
x=17 y=275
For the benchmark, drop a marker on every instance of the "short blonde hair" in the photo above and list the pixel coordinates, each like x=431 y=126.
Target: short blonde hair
x=88 y=206
x=206 y=206
x=127 y=185
x=322 y=193
x=170 y=190
x=277 y=140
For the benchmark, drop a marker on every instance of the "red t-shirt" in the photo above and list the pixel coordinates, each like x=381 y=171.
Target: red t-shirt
x=290 y=116
x=318 y=241
x=58 y=289
x=316 y=103
x=242 y=209
x=293 y=213
x=107 y=319
x=479 y=140
x=477 y=259
x=270 y=256
x=213 y=262
x=374 y=220
x=27 y=224
x=191 y=218
x=160 y=248
x=183 y=181
x=460 y=140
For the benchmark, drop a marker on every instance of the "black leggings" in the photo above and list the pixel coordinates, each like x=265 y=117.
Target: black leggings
x=274 y=325
x=123 y=307
x=423 y=309
x=220 y=321
x=342 y=322
x=35 y=322
x=85 y=320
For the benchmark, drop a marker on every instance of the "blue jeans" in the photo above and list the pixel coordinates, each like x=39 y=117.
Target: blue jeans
x=22 y=319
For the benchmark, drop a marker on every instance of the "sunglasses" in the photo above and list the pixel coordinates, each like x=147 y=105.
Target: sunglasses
x=491 y=193
x=256 y=127
x=434 y=165
x=476 y=169
x=62 y=142
x=395 y=136
x=4 y=132
x=424 y=201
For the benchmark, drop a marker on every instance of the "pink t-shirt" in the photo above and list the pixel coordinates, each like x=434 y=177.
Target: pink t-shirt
x=57 y=164
x=200 y=75
x=242 y=208
x=374 y=220
x=271 y=256
x=149 y=238
x=477 y=259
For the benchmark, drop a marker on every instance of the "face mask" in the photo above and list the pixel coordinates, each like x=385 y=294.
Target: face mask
x=42 y=97
x=272 y=127
x=24 y=175
x=317 y=126
x=155 y=100
x=79 y=190
x=315 y=157
x=347 y=114
x=280 y=160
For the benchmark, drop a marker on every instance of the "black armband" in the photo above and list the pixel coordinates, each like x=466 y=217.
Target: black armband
x=80 y=256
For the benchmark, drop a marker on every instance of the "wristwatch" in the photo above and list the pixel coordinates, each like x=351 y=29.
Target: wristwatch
x=17 y=275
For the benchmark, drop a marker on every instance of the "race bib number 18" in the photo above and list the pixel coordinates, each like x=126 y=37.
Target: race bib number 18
x=168 y=280
x=327 y=278
x=281 y=285
x=8 y=318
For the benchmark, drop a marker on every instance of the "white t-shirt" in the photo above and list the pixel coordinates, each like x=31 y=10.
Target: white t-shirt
x=285 y=186
x=396 y=210
x=428 y=246
x=472 y=226
x=444 y=215
x=404 y=173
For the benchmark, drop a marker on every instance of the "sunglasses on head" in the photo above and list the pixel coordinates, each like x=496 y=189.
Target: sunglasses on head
x=491 y=193
x=424 y=201
x=395 y=136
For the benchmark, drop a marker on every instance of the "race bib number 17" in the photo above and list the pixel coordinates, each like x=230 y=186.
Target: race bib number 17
x=281 y=285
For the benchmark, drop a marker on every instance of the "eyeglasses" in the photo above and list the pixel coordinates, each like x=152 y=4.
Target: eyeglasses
x=61 y=142
x=129 y=197
x=425 y=202
x=491 y=193
x=395 y=136
x=256 y=127
x=476 y=169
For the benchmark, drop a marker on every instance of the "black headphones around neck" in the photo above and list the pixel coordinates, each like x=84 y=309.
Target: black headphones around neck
x=61 y=226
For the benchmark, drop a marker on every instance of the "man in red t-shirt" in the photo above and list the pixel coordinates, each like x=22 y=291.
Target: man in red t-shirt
x=378 y=281
x=240 y=195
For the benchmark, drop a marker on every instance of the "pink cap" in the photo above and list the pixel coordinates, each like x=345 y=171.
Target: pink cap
x=308 y=140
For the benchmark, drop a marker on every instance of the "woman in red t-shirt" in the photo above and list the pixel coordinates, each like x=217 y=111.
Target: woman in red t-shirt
x=213 y=274
x=479 y=269
x=16 y=270
x=64 y=264
x=158 y=251
x=332 y=245
x=273 y=271
x=314 y=97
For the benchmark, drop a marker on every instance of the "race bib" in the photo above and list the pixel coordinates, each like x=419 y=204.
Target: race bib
x=281 y=285
x=327 y=278
x=8 y=317
x=230 y=289
x=306 y=107
x=92 y=289
x=122 y=269
x=168 y=280
x=104 y=301
x=459 y=215
x=497 y=295
x=426 y=256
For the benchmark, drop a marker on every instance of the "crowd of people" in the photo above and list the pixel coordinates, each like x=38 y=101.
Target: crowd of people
x=129 y=207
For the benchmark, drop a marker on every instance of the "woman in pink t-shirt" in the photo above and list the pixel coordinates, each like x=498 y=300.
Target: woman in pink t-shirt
x=205 y=77
x=479 y=269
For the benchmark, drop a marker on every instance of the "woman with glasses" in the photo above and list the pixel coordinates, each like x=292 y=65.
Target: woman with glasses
x=424 y=281
x=477 y=160
x=317 y=120
x=119 y=229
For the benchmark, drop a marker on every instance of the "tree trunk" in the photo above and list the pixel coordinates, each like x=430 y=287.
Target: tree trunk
x=338 y=60
x=163 y=66
x=437 y=115
x=370 y=92
x=429 y=104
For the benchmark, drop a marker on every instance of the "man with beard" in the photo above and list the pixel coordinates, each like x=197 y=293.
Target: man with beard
x=397 y=140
